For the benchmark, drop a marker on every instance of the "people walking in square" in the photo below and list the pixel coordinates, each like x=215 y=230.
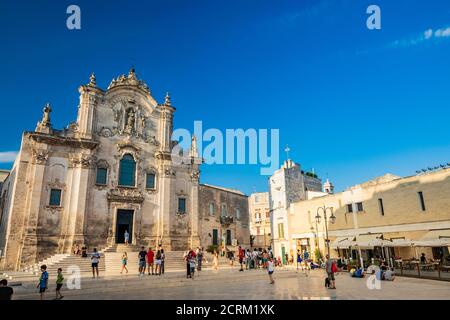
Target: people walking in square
x=163 y=260
x=124 y=263
x=187 y=259
x=192 y=265
x=241 y=254
x=299 y=259
x=95 y=259
x=216 y=260
x=142 y=254
x=248 y=259
x=158 y=263
x=331 y=268
x=199 y=259
x=255 y=258
x=126 y=236
x=270 y=269
x=6 y=292
x=150 y=261
x=43 y=281
x=59 y=284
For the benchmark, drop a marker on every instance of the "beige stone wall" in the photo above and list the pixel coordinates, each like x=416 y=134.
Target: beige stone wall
x=259 y=208
x=403 y=215
x=67 y=160
x=232 y=200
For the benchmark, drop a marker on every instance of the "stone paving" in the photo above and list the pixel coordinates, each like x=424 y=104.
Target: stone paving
x=248 y=285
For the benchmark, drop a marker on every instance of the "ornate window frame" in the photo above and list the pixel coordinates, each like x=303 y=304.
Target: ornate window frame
x=56 y=185
x=102 y=164
x=148 y=171
x=124 y=149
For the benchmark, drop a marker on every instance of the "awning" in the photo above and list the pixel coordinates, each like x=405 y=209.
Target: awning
x=399 y=242
x=343 y=242
x=370 y=240
x=435 y=238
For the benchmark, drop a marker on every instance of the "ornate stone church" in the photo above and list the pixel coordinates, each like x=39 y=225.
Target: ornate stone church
x=108 y=173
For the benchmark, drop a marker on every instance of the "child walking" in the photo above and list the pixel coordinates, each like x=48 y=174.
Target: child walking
x=43 y=281
x=124 y=263
x=192 y=265
x=270 y=269
x=59 y=284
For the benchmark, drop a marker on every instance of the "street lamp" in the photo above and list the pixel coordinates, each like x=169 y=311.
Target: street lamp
x=332 y=220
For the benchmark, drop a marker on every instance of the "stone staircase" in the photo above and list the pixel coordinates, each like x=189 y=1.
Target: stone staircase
x=64 y=261
x=113 y=259
x=110 y=263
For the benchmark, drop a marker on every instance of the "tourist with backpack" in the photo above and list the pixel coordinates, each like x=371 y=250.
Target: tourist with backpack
x=331 y=269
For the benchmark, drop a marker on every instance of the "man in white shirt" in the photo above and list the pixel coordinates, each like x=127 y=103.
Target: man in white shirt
x=95 y=259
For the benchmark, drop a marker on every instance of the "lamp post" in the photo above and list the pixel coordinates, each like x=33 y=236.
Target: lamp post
x=332 y=220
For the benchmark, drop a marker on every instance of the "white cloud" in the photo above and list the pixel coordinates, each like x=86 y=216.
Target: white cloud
x=428 y=35
x=8 y=156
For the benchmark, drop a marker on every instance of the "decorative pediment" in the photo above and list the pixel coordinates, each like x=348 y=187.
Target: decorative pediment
x=85 y=161
x=40 y=156
x=127 y=195
x=129 y=80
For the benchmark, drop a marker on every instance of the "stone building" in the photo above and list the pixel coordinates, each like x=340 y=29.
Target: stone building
x=287 y=185
x=224 y=217
x=388 y=216
x=3 y=175
x=110 y=171
x=259 y=211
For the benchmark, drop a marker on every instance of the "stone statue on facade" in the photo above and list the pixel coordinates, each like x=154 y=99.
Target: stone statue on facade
x=129 y=128
x=46 y=116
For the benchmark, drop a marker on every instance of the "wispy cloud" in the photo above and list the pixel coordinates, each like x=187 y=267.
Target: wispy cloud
x=8 y=156
x=426 y=36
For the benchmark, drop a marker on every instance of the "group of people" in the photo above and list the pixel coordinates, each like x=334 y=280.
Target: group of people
x=194 y=260
x=154 y=263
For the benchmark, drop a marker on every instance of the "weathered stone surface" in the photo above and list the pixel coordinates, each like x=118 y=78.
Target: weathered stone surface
x=123 y=120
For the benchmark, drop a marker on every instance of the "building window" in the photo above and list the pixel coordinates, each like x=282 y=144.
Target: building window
x=258 y=231
x=211 y=209
x=150 y=181
x=256 y=199
x=55 y=197
x=181 y=205
x=215 y=237
x=280 y=231
x=349 y=208
x=267 y=214
x=127 y=171
x=224 y=210
x=422 y=200
x=359 y=207
x=380 y=204
x=228 y=238
x=238 y=213
x=102 y=176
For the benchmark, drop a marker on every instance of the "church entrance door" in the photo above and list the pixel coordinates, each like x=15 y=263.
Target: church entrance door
x=124 y=223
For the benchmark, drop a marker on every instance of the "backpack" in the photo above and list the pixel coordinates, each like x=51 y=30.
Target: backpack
x=334 y=268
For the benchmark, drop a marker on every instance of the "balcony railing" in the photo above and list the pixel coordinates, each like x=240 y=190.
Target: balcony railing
x=226 y=220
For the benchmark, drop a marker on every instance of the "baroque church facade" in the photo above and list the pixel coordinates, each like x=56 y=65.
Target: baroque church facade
x=109 y=172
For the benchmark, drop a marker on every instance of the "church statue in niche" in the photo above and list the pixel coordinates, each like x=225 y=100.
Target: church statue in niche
x=130 y=123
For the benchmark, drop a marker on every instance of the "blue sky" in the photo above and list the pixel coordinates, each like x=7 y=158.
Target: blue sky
x=351 y=103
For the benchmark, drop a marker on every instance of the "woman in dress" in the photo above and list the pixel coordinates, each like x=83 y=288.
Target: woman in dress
x=124 y=262
x=216 y=260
